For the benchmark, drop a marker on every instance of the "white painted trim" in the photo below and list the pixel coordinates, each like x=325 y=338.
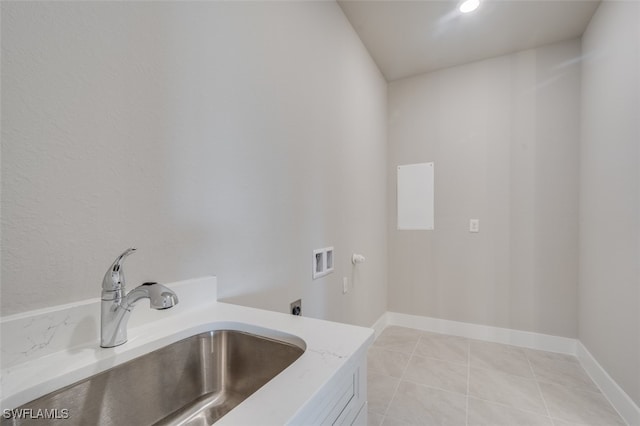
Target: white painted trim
x=625 y=406
x=527 y=339
x=380 y=324
x=622 y=402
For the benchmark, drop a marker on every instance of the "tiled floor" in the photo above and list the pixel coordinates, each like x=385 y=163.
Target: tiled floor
x=421 y=378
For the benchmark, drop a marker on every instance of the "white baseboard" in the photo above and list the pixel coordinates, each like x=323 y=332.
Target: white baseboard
x=625 y=406
x=544 y=342
x=380 y=324
x=508 y=336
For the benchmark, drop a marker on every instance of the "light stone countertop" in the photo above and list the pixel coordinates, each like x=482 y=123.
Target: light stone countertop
x=45 y=350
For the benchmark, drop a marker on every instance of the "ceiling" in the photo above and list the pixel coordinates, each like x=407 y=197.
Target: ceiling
x=406 y=38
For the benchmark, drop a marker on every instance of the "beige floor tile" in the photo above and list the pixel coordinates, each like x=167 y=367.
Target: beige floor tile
x=495 y=356
x=441 y=346
x=417 y=404
x=388 y=421
x=380 y=390
x=483 y=413
x=504 y=384
x=558 y=422
x=390 y=363
x=374 y=419
x=439 y=374
x=398 y=339
x=579 y=406
x=535 y=355
x=514 y=391
x=563 y=373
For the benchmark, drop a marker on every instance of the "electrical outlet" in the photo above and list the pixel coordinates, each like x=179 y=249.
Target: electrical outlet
x=296 y=307
x=474 y=225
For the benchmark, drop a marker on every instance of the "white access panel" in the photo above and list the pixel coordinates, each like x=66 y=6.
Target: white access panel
x=415 y=197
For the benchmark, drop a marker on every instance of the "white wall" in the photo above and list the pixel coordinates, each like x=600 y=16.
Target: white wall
x=224 y=138
x=610 y=193
x=503 y=134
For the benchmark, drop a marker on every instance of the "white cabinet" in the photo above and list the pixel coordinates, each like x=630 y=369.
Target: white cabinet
x=342 y=401
x=361 y=418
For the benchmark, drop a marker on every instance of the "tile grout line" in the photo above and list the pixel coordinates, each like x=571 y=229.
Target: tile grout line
x=504 y=373
x=544 y=401
x=404 y=371
x=431 y=358
x=511 y=407
x=433 y=387
x=477 y=398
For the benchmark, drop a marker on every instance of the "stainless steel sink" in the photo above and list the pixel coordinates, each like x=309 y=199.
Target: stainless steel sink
x=195 y=381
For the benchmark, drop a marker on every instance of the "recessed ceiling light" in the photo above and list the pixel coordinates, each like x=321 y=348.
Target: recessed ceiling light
x=469 y=6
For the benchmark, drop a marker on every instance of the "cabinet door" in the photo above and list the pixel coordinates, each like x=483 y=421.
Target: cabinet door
x=361 y=418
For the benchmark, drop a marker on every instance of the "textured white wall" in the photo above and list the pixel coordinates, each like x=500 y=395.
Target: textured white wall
x=503 y=134
x=224 y=138
x=610 y=193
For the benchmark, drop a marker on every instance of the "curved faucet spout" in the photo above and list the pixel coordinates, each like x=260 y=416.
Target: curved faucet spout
x=116 y=305
x=160 y=297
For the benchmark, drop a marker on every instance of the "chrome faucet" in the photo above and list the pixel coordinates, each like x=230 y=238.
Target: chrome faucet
x=116 y=305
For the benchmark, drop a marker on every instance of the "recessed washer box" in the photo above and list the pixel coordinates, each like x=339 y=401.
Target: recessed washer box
x=318 y=263
x=322 y=262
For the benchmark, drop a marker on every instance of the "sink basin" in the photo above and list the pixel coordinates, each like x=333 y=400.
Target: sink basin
x=195 y=381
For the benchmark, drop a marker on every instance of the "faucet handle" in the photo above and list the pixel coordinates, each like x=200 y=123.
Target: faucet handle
x=114 y=277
